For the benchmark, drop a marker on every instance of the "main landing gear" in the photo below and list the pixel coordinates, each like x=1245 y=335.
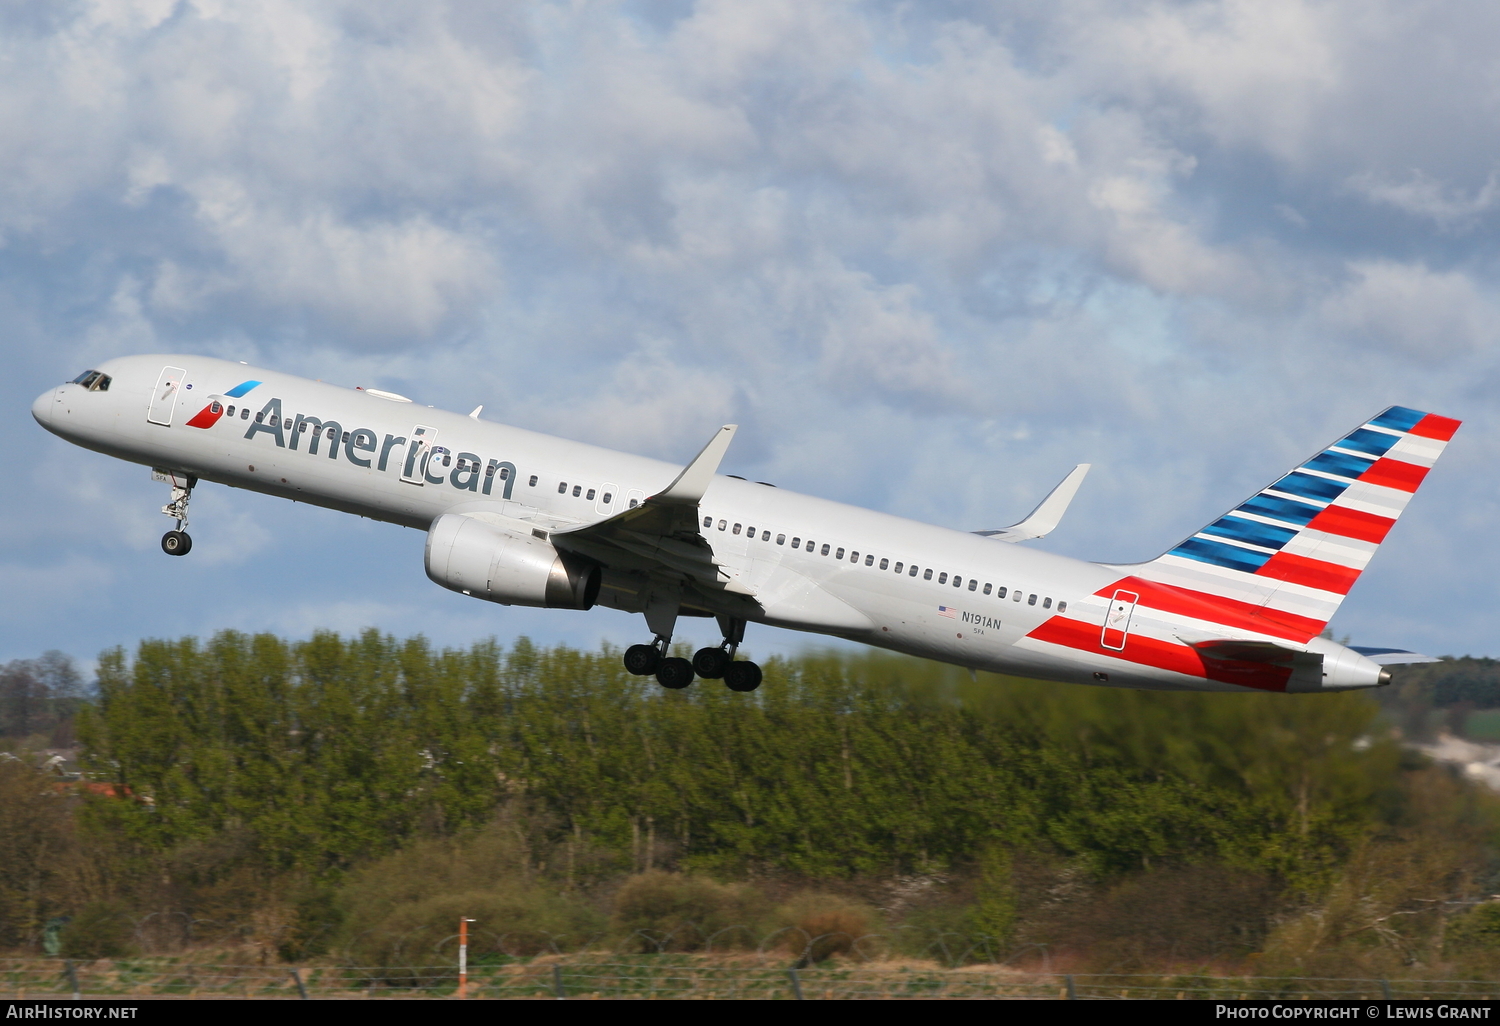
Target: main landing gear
x=178 y=542
x=709 y=663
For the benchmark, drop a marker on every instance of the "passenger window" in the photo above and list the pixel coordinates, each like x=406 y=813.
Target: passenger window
x=796 y=542
x=1016 y=597
x=942 y=578
x=608 y=496
x=810 y=545
x=839 y=554
x=987 y=588
x=447 y=456
x=854 y=557
x=576 y=490
x=1062 y=607
x=781 y=539
x=973 y=584
x=750 y=533
x=229 y=412
x=216 y=408
x=926 y=574
x=825 y=548
x=562 y=488
x=590 y=495
x=1000 y=593
x=869 y=561
x=722 y=525
x=1047 y=602
x=736 y=529
x=708 y=521
x=260 y=417
x=913 y=571
x=1032 y=600
x=505 y=476
x=884 y=563
x=301 y=428
x=957 y=581
x=900 y=567
x=274 y=420
x=634 y=503
x=532 y=482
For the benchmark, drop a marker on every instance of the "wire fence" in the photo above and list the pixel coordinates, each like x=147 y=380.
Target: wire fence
x=674 y=977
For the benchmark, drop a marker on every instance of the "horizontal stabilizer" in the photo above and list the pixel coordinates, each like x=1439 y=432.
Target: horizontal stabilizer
x=1392 y=656
x=1048 y=513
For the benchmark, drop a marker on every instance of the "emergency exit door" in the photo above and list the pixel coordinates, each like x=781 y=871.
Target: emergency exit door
x=164 y=399
x=1117 y=619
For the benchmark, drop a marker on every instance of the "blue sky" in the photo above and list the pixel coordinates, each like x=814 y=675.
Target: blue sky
x=927 y=256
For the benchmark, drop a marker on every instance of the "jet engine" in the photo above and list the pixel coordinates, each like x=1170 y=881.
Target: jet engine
x=515 y=569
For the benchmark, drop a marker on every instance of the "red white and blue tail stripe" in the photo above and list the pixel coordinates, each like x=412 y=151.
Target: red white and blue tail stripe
x=1282 y=561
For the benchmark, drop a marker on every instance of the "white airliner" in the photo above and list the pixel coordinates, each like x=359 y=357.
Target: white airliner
x=521 y=518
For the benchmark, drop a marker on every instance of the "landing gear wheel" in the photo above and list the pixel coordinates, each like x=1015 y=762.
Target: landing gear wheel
x=675 y=673
x=710 y=663
x=642 y=660
x=177 y=543
x=742 y=676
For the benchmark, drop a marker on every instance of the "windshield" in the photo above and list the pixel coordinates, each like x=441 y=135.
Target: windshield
x=93 y=381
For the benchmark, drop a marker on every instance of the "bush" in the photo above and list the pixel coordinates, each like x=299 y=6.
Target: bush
x=100 y=930
x=1477 y=930
x=659 y=911
x=820 y=926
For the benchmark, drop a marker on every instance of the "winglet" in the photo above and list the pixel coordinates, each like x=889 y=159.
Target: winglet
x=694 y=480
x=1048 y=513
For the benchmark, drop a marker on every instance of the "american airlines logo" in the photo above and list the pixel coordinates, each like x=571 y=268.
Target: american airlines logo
x=414 y=462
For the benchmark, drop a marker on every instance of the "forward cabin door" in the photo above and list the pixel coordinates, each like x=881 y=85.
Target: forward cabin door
x=1117 y=619
x=164 y=399
x=418 y=450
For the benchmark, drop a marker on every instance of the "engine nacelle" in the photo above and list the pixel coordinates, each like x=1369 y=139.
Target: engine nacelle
x=490 y=562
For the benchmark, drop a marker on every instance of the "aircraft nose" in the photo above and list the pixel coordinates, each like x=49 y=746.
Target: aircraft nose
x=42 y=408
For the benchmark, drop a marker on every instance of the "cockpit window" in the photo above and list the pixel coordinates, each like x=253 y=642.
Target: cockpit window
x=85 y=379
x=93 y=381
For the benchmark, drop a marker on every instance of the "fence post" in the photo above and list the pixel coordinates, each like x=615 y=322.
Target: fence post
x=72 y=978
x=297 y=979
x=557 y=986
x=1385 y=988
x=1072 y=994
x=796 y=983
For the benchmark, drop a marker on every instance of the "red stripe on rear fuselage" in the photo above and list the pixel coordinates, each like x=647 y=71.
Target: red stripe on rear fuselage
x=1163 y=655
x=1226 y=612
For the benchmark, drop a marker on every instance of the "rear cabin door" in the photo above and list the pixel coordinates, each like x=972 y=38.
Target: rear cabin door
x=1117 y=619
x=418 y=450
x=164 y=399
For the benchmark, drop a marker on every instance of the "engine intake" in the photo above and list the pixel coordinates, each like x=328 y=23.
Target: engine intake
x=515 y=569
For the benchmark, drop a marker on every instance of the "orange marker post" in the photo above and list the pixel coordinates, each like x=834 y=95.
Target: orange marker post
x=463 y=956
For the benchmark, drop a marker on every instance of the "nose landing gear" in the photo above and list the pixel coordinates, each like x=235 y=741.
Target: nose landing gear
x=178 y=542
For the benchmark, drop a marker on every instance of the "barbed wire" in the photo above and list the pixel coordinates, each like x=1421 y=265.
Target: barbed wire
x=677 y=976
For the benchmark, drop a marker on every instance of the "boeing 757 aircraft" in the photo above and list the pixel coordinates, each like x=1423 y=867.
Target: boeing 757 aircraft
x=521 y=518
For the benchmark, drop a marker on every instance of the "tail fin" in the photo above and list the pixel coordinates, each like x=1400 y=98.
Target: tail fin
x=1282 y=561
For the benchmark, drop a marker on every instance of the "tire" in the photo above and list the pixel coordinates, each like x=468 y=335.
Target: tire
x=675 y=673
x=642 y=660
x=176 y=543
x=710 y=663
x=742 y=676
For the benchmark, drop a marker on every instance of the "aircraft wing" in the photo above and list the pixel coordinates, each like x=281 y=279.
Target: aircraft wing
x=664 y=531
x=1048 y=513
